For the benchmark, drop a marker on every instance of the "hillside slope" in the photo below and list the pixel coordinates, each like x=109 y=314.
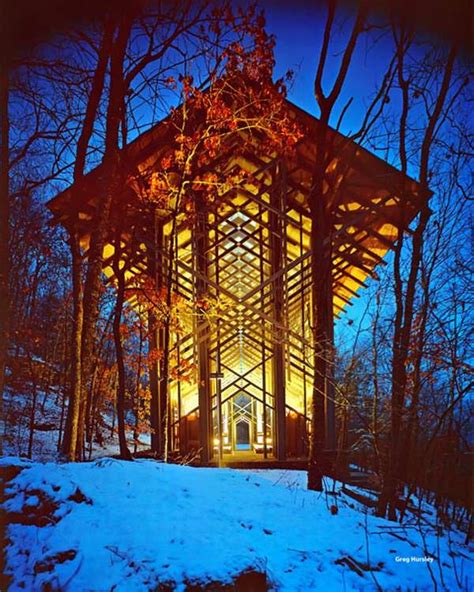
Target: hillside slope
x=143 y=525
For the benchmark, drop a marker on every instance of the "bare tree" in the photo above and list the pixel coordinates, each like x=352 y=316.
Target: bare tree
x=71 y=436
x=405 y=293
x=323 y=205
x=4 y=226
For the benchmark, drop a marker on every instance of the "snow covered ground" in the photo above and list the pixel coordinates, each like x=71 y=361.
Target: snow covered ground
x=113 y=525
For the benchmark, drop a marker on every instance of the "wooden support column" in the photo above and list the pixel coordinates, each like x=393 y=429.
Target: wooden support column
x=155 y=271
x=303 y=317
x=219 y=375
x=277 y=230
x=153 y=373
x=200 y=246
x=262 y=324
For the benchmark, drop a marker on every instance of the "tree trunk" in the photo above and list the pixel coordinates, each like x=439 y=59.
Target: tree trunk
x=4 y=234
x=321 y=275
x=321 y=270
x=70 y=441
x=322 y=205
x=111 y=185
x=121 y=387
x=34 y=398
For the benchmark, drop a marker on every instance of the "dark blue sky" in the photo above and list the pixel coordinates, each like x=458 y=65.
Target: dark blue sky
x=298 y=28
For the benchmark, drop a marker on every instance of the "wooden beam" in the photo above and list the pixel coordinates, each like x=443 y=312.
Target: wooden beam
x=278 y=366
x=201 y=237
